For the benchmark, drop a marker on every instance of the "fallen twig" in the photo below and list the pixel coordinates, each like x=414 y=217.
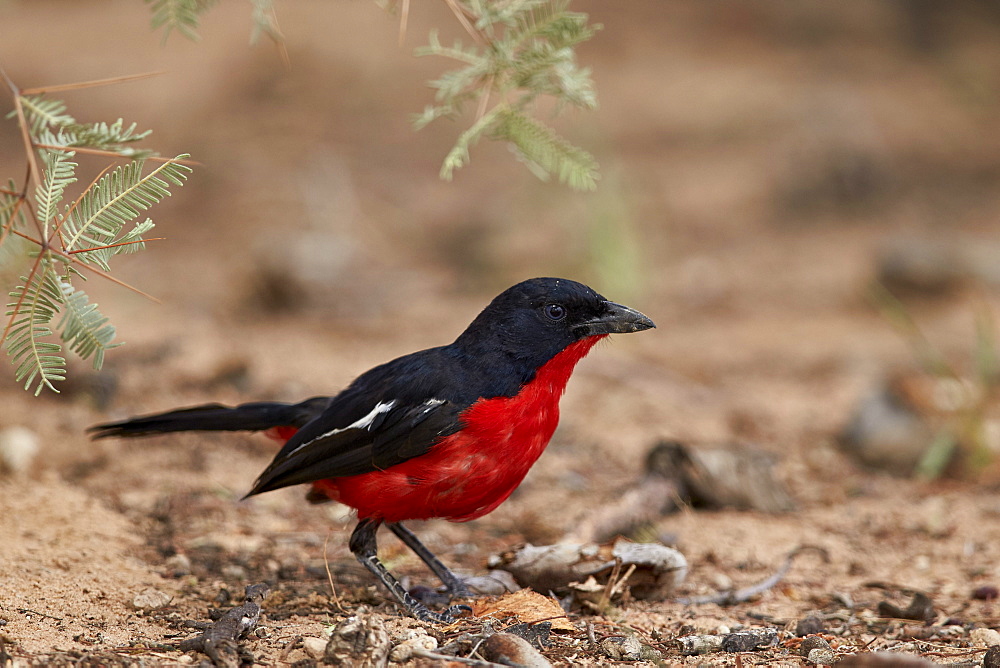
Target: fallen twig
x=29 y=611
x=219 y=640
x=747 y=593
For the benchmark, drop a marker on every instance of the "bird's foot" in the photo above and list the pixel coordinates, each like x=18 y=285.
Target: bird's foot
x=432 y=597
x=458 y=589
x=448 y=616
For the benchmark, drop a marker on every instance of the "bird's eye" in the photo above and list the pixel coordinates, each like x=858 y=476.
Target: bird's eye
x=555 y=311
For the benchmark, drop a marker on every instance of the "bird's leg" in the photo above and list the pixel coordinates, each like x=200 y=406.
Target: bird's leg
x=364 y=547
x=456 y=588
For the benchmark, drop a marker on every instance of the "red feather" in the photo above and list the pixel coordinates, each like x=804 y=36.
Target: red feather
x=470 y=473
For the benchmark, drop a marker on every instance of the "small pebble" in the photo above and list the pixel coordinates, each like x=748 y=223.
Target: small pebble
x=178 y=565
x=808 y=626
x=360 y=641
x=511 y=650
x=314 y=647
x=822 y=657
x=151 y=599
x=812 y=643
x=419 y=639
x=985 y=637
x=494 y=583
x=18 y=448
x=622 y=648
x=992 y=658
x=749 y=640
x=700 y=644
x=986 y=593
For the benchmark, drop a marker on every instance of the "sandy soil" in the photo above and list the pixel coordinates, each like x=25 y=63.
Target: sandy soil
x=756 y=162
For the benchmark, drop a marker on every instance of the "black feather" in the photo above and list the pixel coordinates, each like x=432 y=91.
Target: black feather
x=256 y=416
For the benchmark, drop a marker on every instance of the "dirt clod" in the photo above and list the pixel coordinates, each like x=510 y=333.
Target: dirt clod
x=360 y=640
x=921 y=608
x=812 y=643
x=151 y=599
x=749 y=639
x=984 y=637
x=809 y=625
x=418 y=639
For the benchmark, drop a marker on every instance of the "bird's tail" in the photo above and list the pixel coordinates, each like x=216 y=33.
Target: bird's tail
x=256 y=416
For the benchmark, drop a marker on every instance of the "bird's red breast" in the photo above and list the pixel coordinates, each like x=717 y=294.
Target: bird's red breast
x=467 y=474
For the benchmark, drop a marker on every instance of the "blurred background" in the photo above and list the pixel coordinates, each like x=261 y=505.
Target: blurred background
x=764 y=164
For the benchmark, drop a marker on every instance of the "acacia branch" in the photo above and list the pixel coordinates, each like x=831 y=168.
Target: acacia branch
x=114 y=154
x=123 y=243
x=33 y=170
x=90 y=84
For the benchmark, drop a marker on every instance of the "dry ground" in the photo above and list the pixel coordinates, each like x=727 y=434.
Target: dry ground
x=756 y=159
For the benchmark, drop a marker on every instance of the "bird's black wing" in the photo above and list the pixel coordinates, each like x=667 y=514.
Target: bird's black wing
x=388 y=435
x=391 y=414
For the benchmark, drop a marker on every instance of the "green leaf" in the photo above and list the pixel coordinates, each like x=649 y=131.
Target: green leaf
x=524 y=50
x=117 y=199
x=59 y=173
x=41 y=113
x=101 y=136
x=459 y=154
x=543 y=148
x=84 y=329
x=180 y=15
x=264 y=22
x=34 y=305
x=8 y=205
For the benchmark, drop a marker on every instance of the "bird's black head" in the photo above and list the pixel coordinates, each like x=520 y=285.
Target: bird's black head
x=536 y=319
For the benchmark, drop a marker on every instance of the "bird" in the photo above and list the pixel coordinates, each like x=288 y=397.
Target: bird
x=447 y=432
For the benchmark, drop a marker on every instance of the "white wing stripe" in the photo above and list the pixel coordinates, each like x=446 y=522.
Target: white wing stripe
x=363 y=423
x=430 y=405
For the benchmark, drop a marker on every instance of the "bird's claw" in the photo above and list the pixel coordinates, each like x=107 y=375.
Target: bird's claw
x=448 y=616
x=458 y=610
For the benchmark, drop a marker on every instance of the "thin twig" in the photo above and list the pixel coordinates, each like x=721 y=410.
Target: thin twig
x=20 y=300
x=113 y=154
x=9 y=227
x=621 y=582
x=485 y=99
x=90 y=84
x=104 y=274
x=29 y=611
x=76 y=261
x=404 y=16
x=292 y=644
x=457 y=10
x=123 y=243
x=329 y=575
x=747 y=593
x=33 y=170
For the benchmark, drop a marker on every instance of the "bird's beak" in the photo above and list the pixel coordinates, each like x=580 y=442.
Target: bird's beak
x=616 y=319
